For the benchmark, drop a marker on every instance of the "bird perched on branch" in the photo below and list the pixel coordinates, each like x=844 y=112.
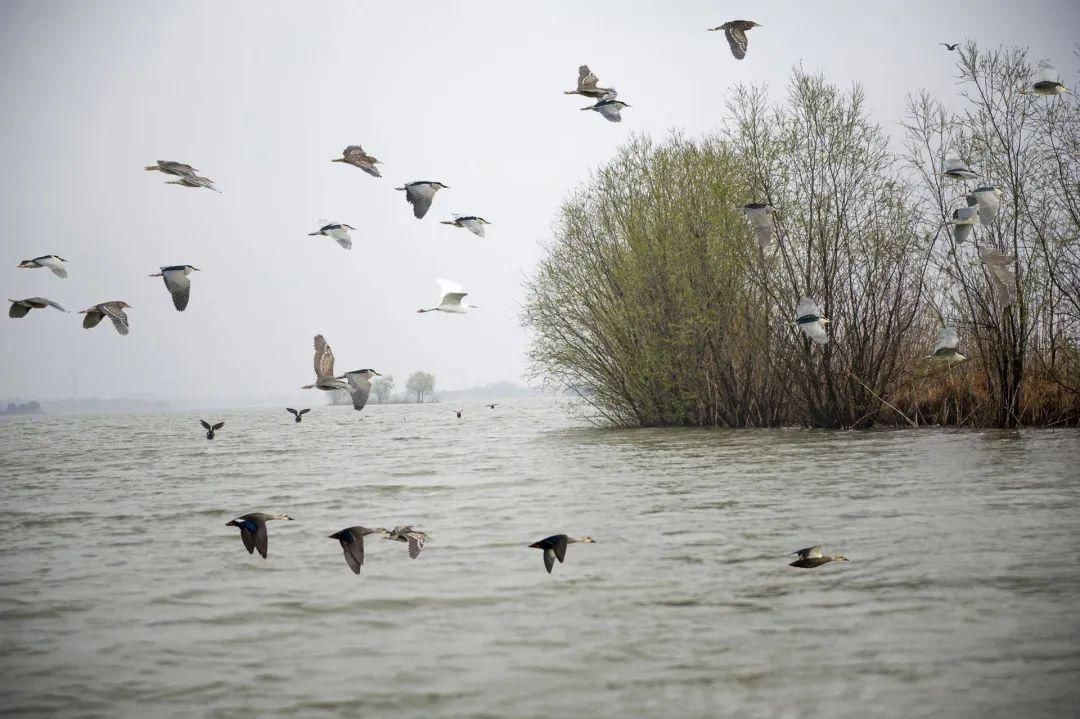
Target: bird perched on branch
x=20 y=308
x=354 y=155
x=735 y=32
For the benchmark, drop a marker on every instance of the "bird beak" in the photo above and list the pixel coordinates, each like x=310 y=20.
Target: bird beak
x=196 y=269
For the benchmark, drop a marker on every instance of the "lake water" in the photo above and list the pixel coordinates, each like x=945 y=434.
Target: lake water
x=123 y=593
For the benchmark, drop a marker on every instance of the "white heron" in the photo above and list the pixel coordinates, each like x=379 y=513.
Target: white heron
x=451 y=299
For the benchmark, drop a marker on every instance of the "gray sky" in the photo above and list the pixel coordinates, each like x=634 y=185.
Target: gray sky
x=259 y=96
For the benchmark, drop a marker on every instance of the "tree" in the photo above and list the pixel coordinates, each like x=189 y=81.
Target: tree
x=420 y=384
x=382 y=387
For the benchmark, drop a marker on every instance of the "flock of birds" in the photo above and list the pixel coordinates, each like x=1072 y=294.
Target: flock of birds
x=983 y=204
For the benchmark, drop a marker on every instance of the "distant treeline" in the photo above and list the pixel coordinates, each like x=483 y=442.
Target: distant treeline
x=655 y=301
x=23 y=408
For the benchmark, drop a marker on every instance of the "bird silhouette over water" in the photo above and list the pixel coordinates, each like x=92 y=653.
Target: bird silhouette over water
x=492 y=405
x=555 y=547
x=299 y=414
x=735 y=32
x=20 y=308
x=324 y=369
x=253 y=530
x=352 y=544
x=211 y=428
x=457 y=412
x=812 y=557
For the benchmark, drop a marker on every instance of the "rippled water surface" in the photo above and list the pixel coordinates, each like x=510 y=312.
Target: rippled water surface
x=123 y=593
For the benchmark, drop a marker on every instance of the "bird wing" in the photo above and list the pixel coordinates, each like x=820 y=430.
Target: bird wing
x=736 y=41
x=341 y=236
x=249 y=540
x=18 y=309
x=806 y=307
x=54 y=265
x=762 y=222
x=324 y=359
x=611 y=112
x=353 y=549
x=361 y=388
x=290 y=409
x=962 y=232
x=947 y=338
x=549 y=559
x=305 y=411
x=176 y=168
x=809 y=552
x=448 y=286
x=988 y=203
x=370 y=169
x=352 y=151
x=560 y=547
x=261 y=539
x=815 y=331
x=93 y=317
x=117 y=315
x=218 y=426
x=453 y=298
x=954 y=164
x=586 y=79
x=416 y=543
x=474 y=226
x=179 y=286
x=50 y=303
x=1003 y=282
x=420 y=196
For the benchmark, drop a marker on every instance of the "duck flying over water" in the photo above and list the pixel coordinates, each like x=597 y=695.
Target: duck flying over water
x=586 y=86
x=359 y=386
x=253 y=530
x=299 y=414
x=610 y=109
x=337 y=231
x=352 y=544
x=113 y=310
x=414 y=537
x=451 y=300
x=957 y=169
x=810 y=321
x=760 y=216
x=946 y=347
x=735 y=32
x=354 y=155
x=177 y=283
x=172 y=168
x=324 y=369
x=472 y=223
x=50 y=261
x=211 y=428
x=812 y=557
x=419 y=194
x=20 y=308
x=555 y=547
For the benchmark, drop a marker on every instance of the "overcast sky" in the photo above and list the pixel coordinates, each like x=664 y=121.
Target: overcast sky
x=259 y=96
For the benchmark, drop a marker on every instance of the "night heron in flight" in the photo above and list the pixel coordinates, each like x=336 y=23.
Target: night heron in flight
x=413 y=536
x=472 y=223
x=352 y=544
x=451 y=299
x=419 y=194
x=555 y=547
x=211 y=429
x=810 y=320
x=20 y=308
x=946 y=347
x=113 y=310
x=760 y=216
x=812 y=557
x=298 y=414
x=988 y=199
x=957 y=169
x=1001 y=270
x=354 y=155
x=359 y=386
x=586 y=86
x=193 y=180
x=336 y=231
x=610 y=109
x=50 y=261
x=963 y=221
x=253 y=530
x=324 y=369
x=735 y=32
x=172 y=168
x=177 y=283
x=1046 y=81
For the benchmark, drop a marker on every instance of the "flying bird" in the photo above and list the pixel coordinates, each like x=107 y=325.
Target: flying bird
x=472 y=223
x=949 y=47
x=113 y=310
x=299 y=414
x=172 y=168
x=451 y=299
x=760 y=216
x=735 y=32
x=359 y=386
x=414 y=537
x=492 y=406
x=20 y=308
x=354 y=155
x=610 y=109
x=211 y=428
x=457 y=412
x=253 y=530
x=419 y=194
x=324 y=369
x=352 y=544
x=988 y=200
x=963 y=221
x=193 y=180
x=177 y=283
x=1046 y=81
x=50 y=261
x=555 y=547
x=1001 y=271
x=946 y=347
x=957 y=169
x=810 y=321
x=586 y=86
x=337 y=231
x=812 y=557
